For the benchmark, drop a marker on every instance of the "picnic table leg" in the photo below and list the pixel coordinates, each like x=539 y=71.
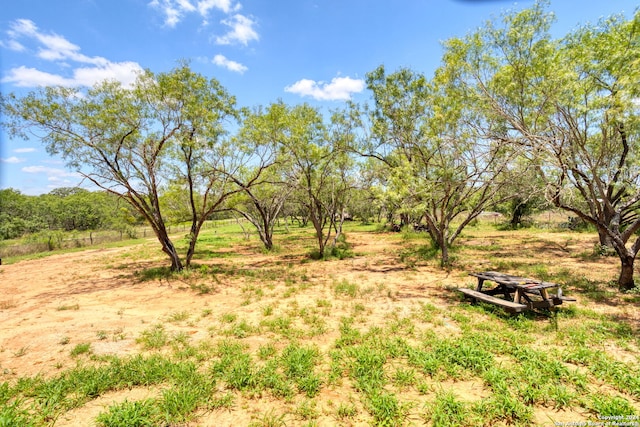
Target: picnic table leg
x=480 y=282
x=516 y=296
x=544 y=294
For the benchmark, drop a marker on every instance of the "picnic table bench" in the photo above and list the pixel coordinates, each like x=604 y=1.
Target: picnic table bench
x=520 y=293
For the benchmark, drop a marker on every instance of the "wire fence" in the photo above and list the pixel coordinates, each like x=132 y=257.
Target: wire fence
x=54 y=240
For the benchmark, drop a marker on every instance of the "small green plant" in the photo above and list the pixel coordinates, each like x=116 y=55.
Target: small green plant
x=241 y=329
x=385 y=409
x=178 y=316
x=346 y=410
x=228 y=318
x=178 y=404
x=12 y=414
x=323 y=303
x=446 y=410
x=267 y=351
x=68 y=307
x=307 y=410
x=154 y=338
x=345 y=288
x=81 y=348
x=404 y=378
x=270 y=419
x=132 y=414
x=101 y=335
x=21 y=351
x=64 y=340
x=298 y=363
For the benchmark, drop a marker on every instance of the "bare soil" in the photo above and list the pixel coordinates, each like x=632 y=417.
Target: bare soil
x=49 y=305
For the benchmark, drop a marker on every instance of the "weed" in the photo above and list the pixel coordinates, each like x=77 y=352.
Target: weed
x=154 y=338
x=385 y=409
x=12 y=414
x=224 y=401
x=68 y=307
x=346 y=410
x=101 y=335
x=64 y=340
x=229 y=318
x=241 y=329
x=178 y=404
x=178 y=316
x=155 y=273
x=307 y=410
x=119 y=334
x=132 y=414
x=270 y=419
x=367 y=368
x=446 y=410
x=612 y=406
x=298 y=363
x=267 y=351
x=404 y=378
x=503 y=406
x=323 y=303
x=81 y=348
x=21 y=351
x=181 y=338
x=345 y=288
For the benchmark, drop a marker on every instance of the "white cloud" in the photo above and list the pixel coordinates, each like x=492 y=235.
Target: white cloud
x=30 y=77
x=242 y=31
x=53 y=174
x=222 y=61
x=13 y=45
x=53 y=47
x=124 y=72
x=340 y=88
x=175 y=11
x=12 y=159
x=25 y=150
x=226 y=6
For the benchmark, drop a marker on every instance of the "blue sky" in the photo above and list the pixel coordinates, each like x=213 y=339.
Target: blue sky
x=315 y=51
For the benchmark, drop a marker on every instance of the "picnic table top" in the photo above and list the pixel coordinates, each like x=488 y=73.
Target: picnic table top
x=514 y=281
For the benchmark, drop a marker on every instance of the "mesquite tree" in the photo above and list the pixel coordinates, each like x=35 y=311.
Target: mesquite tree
x=427 y=133
x=130 y=141
x=320 y=168
x=265 y=188
x=573 y=105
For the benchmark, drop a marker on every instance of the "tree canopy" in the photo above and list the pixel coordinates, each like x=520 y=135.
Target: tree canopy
x=511 y=117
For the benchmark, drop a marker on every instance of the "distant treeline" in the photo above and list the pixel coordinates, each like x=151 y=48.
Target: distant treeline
x=66 y=209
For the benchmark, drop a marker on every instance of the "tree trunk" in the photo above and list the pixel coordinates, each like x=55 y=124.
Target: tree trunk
x=625 y=280
x=438 y=237
x=169 y=249
x=193 y=239
x=605 y=238
x=444 y=261
x=404 y=219
x=267 y=240
x=517 y=215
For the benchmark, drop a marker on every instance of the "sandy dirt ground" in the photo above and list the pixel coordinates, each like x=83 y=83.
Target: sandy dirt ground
x=49 y=305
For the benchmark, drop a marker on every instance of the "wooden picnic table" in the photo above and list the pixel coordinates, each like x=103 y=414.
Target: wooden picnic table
x=519 y=293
